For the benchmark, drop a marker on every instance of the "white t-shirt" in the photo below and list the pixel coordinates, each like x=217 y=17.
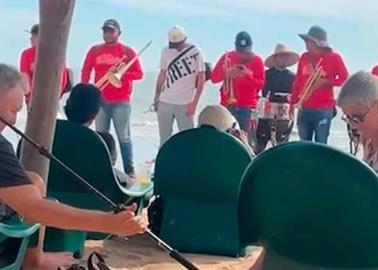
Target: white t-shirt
x=180 y=83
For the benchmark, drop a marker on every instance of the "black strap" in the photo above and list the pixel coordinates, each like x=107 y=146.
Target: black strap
x=99 y=265
x=180 y=55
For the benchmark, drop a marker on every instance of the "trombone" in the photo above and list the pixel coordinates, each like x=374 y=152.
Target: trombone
x=116 y=71
x=310 y=84
x=228 y=84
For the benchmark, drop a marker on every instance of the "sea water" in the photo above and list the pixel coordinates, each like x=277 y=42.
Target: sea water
x=144 y=127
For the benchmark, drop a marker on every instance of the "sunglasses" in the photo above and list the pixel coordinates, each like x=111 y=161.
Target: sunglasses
x=357 y=119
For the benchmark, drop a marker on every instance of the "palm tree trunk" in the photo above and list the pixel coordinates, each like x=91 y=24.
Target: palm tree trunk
x=55 y=21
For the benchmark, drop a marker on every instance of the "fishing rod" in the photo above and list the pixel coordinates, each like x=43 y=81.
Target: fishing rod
x=117 y=208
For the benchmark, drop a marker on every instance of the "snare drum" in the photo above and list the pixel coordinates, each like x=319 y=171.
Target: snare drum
x=275 y=111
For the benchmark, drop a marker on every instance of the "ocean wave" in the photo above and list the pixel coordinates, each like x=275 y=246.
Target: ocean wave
x=143 y=123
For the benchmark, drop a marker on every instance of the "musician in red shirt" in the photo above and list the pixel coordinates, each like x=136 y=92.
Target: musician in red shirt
x=28 y=63
x=116 y=106
x=317 y=111
x=242 y=74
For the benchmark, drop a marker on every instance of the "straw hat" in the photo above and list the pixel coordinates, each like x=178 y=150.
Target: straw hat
x=217 y=116
x=291 y=57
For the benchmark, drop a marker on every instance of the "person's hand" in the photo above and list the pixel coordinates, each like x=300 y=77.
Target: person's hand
x=155 y=105
x=241 y=135
x=234 y=72
x=125 y=223
x=246 y=70
x=191 y=109
x=321 y=82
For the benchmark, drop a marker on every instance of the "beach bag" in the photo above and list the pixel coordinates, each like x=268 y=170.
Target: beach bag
x=155 y=215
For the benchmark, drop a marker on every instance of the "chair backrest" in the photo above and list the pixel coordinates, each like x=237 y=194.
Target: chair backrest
x=201 y=164
x=198 y=174
x=82 y=150
x=313 y=204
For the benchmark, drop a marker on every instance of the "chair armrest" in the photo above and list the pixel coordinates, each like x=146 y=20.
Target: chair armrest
x=17 y=228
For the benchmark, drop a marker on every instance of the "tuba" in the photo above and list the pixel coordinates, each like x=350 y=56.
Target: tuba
x=116 y=71
x=228 y=84
x=310 y=84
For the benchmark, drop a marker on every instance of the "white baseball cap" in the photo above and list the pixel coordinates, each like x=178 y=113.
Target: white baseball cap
x=177 y=34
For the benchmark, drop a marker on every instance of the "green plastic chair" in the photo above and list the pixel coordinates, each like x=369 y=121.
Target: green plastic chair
x=14 y=239
x=312 y=205
x=84 y=151
x=198 y=174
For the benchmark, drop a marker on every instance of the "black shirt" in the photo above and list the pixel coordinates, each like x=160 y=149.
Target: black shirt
x=11 y=171
x=278 y=81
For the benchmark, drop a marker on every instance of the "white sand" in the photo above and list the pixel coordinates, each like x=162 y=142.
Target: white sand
x=142 y=253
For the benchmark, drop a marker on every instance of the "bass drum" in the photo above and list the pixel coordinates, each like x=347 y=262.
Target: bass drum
x=276 y=131
x=275 y=121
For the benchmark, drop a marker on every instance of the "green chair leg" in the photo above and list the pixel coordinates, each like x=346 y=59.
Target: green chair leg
x=65 y=241
x=10 y=259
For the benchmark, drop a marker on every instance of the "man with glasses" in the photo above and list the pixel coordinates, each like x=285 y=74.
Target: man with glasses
x=116 y=100
x=358 y=100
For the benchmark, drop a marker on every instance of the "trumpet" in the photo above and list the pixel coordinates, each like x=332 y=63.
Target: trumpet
x=228 y=84
x=310 y=84
x=116 y=71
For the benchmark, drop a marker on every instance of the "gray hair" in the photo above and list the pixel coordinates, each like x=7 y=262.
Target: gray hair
x=362 y=87
x=10 y=77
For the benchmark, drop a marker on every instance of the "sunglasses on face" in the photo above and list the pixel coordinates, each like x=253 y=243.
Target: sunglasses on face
x=357 y=119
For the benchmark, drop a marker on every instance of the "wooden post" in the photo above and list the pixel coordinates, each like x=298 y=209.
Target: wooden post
x=55 y=21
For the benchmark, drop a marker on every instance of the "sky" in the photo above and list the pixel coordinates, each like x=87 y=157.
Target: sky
x=211 y=25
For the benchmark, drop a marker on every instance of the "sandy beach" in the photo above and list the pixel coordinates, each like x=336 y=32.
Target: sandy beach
x=142 y=253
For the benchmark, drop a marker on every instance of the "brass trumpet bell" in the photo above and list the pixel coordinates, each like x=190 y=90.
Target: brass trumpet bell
x=115 y=79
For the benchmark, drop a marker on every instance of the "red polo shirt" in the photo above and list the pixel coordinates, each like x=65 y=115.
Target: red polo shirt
x=101 y=58
x=375 y=70
x=334 y=70
x=27 y=66
x=246 y=88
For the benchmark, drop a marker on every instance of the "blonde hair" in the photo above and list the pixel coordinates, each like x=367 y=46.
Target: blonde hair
x=217 y=116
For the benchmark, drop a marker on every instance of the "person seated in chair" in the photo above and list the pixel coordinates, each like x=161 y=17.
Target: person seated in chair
x=358 y=100
x=82 y=107
x=221 y=118
x=32 y=205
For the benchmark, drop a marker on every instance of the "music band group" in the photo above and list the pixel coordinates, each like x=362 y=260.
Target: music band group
x=241 y=72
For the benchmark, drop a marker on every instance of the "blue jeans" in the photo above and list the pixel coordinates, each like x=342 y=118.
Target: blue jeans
x=243 y=116
x=120 y=114
x=314 y=122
